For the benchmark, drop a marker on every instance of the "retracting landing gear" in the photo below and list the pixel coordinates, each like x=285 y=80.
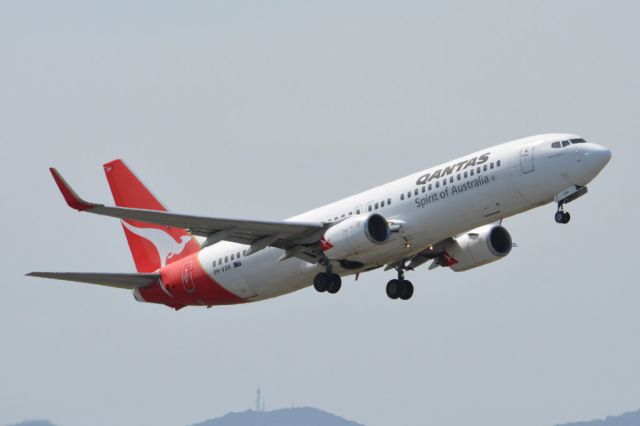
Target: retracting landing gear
x=562 y=216
x=400 y=288
x=327 y=281
x=566 y=196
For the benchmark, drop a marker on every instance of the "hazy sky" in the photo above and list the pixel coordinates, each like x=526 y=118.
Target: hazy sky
x=266 y=109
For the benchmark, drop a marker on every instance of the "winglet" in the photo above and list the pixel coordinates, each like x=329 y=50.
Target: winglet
x=70 y=196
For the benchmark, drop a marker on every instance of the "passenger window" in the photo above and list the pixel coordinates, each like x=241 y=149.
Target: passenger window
x=226 y=259
x=389 y=201
x=444 y=182
x=350 y=213
x=491 y=165
x=336 y=218
x=459 y=176
x=466 y=175
x=402 y=196
x=232 y=257
x=556 y=145
x=485 y=168
x=416 y=192
x=376 y=206
x=478 y=170
x=437 y=184
x=343 y=215
x=369 y=208
x=358 y=211
x=238 y=255
x=471 y=172
x=220 y=261
x=214 y=263
x=244 y=252
x=451 y=179
x=498 y=163
x=565 y=144
x=430 y=187
x=409 y=194
x=382 y=203
x=424 y=189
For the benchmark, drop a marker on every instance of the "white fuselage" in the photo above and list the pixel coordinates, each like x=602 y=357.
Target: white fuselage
x=424 y=208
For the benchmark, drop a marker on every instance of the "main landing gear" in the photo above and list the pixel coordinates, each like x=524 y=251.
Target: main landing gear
x=327 y=281
x=562 y=216
x=400 y=288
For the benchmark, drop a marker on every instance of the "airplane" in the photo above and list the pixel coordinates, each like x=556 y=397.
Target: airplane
x=450 y=215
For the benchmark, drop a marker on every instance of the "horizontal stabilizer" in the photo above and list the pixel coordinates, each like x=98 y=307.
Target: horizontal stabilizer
x=128 y=281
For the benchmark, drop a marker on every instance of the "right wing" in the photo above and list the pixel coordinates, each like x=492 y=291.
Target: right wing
x=127 y=281
x=430 y=253
x=298 y=239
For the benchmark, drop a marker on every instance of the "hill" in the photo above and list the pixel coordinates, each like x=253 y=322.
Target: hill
x=627 y=419
x=285 y=417
x=34 y=423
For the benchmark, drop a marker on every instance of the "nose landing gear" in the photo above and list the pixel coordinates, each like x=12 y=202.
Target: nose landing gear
x=562 y=216
x=400 y=288
x=566 y=196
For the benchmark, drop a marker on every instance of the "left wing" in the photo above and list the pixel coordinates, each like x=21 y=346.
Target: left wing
x=298 y=239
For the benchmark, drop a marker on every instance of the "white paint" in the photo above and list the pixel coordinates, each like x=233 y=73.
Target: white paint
x=530 y=174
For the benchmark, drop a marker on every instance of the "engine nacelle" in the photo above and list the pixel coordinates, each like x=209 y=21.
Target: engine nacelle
x=355 y=235
x=477 y=247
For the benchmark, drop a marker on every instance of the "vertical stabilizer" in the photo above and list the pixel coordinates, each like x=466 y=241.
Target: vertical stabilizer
x=152 y=246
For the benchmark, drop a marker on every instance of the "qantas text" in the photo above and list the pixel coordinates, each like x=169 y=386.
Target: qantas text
x=454 y=168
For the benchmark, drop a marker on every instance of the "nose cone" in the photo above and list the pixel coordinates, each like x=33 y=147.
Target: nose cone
x=598 y=156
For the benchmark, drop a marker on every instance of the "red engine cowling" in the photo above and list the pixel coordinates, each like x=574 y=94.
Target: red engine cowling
x=355 y=235
x=476 y=248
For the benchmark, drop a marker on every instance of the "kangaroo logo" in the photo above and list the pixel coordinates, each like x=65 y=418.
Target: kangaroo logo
x=164 y=243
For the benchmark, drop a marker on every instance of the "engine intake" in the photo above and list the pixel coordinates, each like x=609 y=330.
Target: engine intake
x=355 y=235
x=377 y=229
x=477 y=247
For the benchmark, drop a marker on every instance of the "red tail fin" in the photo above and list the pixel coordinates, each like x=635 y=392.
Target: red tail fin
x=152 y=246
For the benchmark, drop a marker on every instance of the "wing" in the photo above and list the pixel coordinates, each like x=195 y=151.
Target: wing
x=432 y=252
x=298 y=239
x=127 y=281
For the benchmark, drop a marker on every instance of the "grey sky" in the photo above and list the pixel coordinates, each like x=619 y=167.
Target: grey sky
x=265 y=109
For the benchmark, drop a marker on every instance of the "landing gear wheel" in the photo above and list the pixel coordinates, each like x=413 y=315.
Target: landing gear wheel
x=562 y=216
x=393 y=289
x=336 y=283
x=321 y=282
x=406 y=291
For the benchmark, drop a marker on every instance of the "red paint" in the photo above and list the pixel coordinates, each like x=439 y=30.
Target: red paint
x=188 y=284
x=325 y=244
x=69 y=195
x=129 y=191
x=448 y=259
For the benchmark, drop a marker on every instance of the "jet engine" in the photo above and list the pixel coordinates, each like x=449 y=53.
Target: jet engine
x=355 y=235
x=476 y=248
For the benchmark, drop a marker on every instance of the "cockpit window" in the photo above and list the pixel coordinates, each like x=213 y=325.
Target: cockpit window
x=566 y=143
x=578 y=141
x=556 y=145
